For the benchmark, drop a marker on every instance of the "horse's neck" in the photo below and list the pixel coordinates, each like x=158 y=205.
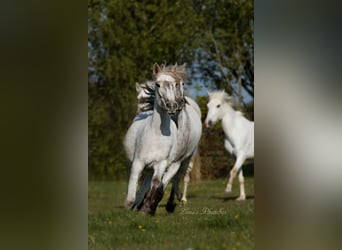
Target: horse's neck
x=228 y=118
x=161 y=120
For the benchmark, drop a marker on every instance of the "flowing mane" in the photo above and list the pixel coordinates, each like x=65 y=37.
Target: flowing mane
x=177 y=72
x=145 y=96
x=222 y=96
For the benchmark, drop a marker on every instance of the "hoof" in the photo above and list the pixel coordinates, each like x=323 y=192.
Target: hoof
x=129 y=204
x=179 y=196
x=145 y=210
x=139 y=205
x=148 y=210
x=184 y=200
x=241 y=198
x=228 y=190
x=170 y=208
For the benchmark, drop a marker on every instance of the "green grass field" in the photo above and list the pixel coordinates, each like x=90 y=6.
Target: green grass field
x=209 y=220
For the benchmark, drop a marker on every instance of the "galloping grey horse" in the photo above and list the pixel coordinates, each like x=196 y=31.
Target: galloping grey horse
x=165 y=139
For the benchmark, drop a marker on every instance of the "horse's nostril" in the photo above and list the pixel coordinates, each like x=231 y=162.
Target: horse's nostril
x=171 y=105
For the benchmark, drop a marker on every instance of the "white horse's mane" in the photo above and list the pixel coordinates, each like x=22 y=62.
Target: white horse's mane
x=178 y=72
x=222 y=96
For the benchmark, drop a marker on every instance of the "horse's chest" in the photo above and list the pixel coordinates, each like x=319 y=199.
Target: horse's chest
x=157 y=146
x=181 y=147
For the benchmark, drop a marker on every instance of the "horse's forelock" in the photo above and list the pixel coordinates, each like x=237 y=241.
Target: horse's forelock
x=219 y=95
x=175 y=71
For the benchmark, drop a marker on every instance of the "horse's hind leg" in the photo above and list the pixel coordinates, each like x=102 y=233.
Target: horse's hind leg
x=186 y=181
x=242 y=186
x=237 y=166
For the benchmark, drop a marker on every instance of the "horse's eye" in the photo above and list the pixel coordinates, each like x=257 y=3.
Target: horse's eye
x=218 y=106
x=158 y=85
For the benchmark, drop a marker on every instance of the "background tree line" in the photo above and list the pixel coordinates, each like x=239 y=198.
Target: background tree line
x=216 y=40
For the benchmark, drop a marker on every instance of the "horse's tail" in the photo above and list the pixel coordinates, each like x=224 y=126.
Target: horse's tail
x=195 y=174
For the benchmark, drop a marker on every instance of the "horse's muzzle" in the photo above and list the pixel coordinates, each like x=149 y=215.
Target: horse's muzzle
x=209 y=124
x=172 y=107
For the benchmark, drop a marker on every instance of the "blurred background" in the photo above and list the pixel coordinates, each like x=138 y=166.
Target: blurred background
x=125 y=38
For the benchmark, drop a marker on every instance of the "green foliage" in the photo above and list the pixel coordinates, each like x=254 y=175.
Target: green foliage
x=125 y=39
x=210 y=219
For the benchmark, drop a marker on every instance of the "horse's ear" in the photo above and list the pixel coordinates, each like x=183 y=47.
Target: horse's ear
x=156 y=69
x=209 y=94
x=137 y=87
x=174 y=68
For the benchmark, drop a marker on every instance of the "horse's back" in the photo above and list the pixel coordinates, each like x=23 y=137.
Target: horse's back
x=192 y=103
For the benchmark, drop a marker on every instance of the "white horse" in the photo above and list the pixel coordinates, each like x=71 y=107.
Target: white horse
x=160 y=142
x=145 y=98
x=239 y=134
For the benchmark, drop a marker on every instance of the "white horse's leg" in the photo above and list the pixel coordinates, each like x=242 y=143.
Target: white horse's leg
x=239 y=161
x=159 y=171
x=144 y=188
x=242 y=186
x=186 y=181
x=137 y=167
x=171 y=171
x=228 y=146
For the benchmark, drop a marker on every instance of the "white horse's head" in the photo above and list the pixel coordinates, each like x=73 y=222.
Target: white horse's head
x=215 y=107
x=169 y=85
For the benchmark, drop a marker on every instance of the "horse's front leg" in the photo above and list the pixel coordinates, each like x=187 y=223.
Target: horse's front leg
x=175 y=171
x=142 y=192
x=157 y=189
x=137 y=167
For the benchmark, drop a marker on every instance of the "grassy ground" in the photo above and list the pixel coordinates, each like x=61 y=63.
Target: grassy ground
x=210 y=219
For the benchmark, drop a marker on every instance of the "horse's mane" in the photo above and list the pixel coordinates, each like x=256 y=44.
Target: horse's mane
x=222 y=96
x=177 y=72
x=146 y=103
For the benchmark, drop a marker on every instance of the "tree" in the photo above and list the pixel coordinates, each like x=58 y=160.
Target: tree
x=125 y=38
x=226 y=52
